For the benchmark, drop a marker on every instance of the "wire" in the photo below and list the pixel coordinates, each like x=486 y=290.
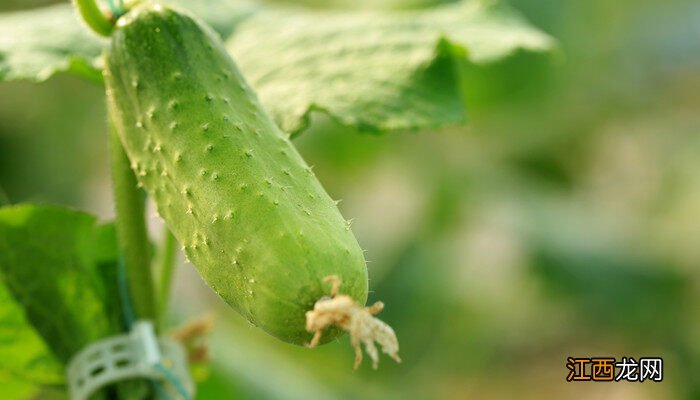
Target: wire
x=117 y=8
x=112 y=6
x=124 y=294
x=173 y=379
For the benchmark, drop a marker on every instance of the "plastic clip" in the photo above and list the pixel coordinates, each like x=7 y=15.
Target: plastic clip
x=138 y=354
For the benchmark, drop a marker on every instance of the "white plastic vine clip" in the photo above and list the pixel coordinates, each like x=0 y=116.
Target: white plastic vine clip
x=137 y=354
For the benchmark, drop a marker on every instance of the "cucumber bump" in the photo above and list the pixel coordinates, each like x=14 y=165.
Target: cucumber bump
x=249 y=212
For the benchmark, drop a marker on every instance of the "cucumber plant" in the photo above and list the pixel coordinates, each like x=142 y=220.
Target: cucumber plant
x=233 y=191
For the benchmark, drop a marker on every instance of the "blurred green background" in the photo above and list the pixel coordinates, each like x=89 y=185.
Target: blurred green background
x=564 y=219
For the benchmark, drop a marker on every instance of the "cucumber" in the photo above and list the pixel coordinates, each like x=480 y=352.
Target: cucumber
x=249 y=212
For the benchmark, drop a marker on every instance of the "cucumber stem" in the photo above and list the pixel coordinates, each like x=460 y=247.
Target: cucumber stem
x=166 y=263
x=131 y=232
x=94 y=17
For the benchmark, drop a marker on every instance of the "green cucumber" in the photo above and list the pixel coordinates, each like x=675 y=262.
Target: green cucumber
x=250 y=214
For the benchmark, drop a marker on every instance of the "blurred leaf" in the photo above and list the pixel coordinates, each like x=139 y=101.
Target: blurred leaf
x=364 y=4
x=36 y=44
x=223 y=15
x=55 y=263
x=580 y=260
x=4 y=200
x=376 y=71
x=615 y=289
x=25 y=361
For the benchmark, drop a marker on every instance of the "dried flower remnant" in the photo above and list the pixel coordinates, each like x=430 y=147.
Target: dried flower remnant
x=193 y=336
x=364 y=328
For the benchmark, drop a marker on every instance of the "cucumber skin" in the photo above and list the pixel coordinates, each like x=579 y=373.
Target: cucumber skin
x=249 y=212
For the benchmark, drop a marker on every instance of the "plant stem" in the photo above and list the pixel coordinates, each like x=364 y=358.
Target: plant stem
x=166 y=263
x=131 y=232
x=94 y=17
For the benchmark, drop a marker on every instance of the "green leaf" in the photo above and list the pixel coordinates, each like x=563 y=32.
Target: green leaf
x=376 y=71
x=373 y=70
x=59 y=266
x=26 y=363
x=36 y=44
